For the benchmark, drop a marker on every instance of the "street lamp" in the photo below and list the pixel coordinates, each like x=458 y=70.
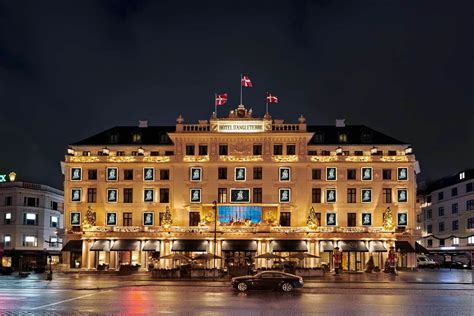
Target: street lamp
x=214 y=203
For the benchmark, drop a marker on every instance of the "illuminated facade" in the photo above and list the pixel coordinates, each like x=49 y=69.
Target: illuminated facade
x=134 y=194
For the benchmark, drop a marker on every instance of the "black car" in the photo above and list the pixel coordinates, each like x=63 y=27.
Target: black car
x=268 y=280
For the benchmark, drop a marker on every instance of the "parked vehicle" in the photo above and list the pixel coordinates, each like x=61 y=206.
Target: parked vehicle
x=268 y=280
x=425 y=262
x=457 y=265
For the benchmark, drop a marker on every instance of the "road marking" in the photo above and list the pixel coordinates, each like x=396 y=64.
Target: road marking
x=68 y=300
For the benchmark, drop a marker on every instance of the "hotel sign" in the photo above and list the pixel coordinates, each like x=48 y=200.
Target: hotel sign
x=242 y=126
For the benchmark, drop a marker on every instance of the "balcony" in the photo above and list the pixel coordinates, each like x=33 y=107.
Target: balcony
x=116 y=159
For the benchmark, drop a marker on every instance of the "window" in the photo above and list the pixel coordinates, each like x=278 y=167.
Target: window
x=440 y=196
x=31 y=201
x=30 y=241
x=470 y=205
x=351 y=195
x=441 y=211
x=387 y=195
x=169 y=153
x=358 y=153
x=257 y=195
x=455 y=241
x=128 y=195
x=454 y=208
x=351 y=219
x=8 y=218
x=441 y=227
x=429 y=229
x=429 y=214
x=30 y=219
x=470 y=223
x=54 y=221
x=154 y=153
x=7 y=240
x=160 y=218
x=222 y=173
x=278 y=149
x=164 y=174
x=127 y=219
x=86 y=153
x=319 y=138
x=189 y=150
x=316 y=195
x=257 y=173
x=454 y=191
x=316 y=174
x=455 y=225
x=342 y=137
x=428 y=199
x=54 y=205
x=470 y=240
x=291 y=149
x=392 y=152
x=387 y=174
x=468 y=187
x=91 y=195
x=128 y=174
x=164 y=195
x=194 y=218
x=312 y=152
x=366 y=137
x=257 y=149
x=223 y=150
x=92 y=174
x=202 y=150
x=441 y=242
x=120 y=153
x=351 y=174
x=430 y=242
x=285 y=219
x=8 y=200
x=222 y=195
x=325 y=153
x=136 y=137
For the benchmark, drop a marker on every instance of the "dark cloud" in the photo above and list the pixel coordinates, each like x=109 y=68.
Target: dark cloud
x=71 y=69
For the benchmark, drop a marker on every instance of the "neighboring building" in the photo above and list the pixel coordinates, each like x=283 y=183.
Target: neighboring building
x=133 y=194
x=447 y=216
x=31 y=217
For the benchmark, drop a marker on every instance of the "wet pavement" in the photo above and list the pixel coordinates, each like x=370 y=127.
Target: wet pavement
x=430 y=292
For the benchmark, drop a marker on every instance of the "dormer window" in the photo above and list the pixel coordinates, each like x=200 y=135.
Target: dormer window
x=163 y=138
x=136 y=137
x=343 y=137
x=319 y=138
x=114 y=138
x=366 y=137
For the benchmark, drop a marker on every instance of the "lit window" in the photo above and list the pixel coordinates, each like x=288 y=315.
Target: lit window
x=470 y=240
x=30 y=239
x=7 y=238
x=455 y=241
x=54 y=221
x=462 y=175
x=8 y=216
x=136 y=138
x=31 y=216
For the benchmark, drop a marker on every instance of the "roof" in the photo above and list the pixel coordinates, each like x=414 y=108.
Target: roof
x=356 y=135
x=450 y=180
x=323 y=135
x=123 y=135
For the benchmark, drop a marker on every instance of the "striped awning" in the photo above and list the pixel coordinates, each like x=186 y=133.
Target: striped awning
x=352 y=246
x=326 y=246
x=376 y=246
x=289 y=246
x=239 y=245
x=126 y=245
x=152 y=245
x=73 y=246
x=190 y=245
x=101 y=245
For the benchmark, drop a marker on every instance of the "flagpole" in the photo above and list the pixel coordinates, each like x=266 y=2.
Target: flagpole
x=266 y=103
x=215 y=103
x=240 y=88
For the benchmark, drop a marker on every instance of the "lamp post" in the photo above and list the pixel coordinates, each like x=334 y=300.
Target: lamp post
x=215 y=234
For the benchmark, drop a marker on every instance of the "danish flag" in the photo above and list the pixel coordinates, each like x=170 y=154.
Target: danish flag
x=272 y=98
x=246 y=82
x=221 y=99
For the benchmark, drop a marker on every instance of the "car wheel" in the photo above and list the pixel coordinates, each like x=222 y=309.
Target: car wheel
x=242 y=287
x=287 y=287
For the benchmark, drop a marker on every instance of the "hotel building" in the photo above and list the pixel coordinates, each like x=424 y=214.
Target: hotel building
x=134 y=194
x=447 y=216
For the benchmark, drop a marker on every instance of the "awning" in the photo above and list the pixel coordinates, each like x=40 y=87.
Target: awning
x=190 y=245
x=152 y=245
x=376 y=246
x=289 y=246
x=73 y=246
x=403 y=246
x=126 y=245
x=326 y=246
x=239 y=245
x=420 y=249
x=101 y=245
x=352 y=246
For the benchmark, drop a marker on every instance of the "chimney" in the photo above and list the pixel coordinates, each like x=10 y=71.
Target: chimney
x=340 y=123
x=143 y=124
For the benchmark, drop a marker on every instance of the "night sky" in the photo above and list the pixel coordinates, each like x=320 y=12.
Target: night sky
x=70 y=69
